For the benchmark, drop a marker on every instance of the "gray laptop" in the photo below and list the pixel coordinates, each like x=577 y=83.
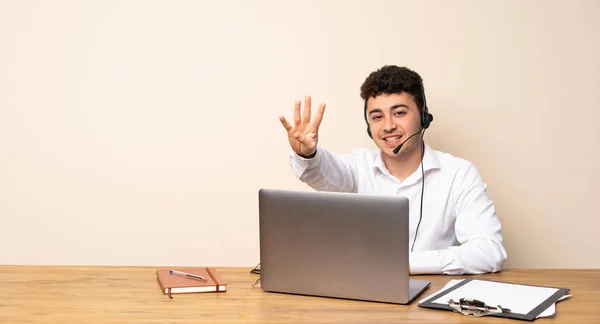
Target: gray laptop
x=340 y=245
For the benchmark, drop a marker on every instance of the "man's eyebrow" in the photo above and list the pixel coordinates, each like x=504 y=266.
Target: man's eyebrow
x=377 y=110
x=398 y=106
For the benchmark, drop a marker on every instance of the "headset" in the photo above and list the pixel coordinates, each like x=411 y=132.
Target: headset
x=426 y=119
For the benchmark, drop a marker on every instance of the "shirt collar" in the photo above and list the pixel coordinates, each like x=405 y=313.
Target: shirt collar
x=430 y=160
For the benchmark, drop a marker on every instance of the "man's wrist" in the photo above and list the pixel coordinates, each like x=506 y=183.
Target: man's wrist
x=307 y=156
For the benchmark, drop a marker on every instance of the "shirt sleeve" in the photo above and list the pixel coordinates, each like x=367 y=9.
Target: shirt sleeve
x=478 y=232
x=325 y=171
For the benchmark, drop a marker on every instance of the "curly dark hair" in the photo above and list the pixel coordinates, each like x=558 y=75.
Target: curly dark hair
x=392 y=79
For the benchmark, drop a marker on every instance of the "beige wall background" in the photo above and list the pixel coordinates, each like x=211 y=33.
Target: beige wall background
x=139 y=132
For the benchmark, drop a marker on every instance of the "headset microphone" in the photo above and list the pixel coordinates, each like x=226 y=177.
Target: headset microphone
x=397 y=149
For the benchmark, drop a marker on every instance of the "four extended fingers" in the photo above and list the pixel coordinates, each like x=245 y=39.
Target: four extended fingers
x=305 y=118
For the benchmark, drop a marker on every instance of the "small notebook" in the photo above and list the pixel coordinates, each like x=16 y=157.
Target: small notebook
x=178 y=284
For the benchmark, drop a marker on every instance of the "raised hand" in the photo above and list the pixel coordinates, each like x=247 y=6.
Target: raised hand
x=303 y=135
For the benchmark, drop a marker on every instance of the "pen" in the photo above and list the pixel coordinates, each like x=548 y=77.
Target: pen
x=189 y=275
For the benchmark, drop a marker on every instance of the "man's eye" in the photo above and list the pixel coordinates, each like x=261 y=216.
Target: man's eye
x=400 y=113
x=376 y=117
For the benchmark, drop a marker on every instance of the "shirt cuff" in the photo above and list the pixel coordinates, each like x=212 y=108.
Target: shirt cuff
x=300 y=164
x=425 y=262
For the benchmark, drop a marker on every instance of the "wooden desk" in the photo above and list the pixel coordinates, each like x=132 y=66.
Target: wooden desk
x=50 y=294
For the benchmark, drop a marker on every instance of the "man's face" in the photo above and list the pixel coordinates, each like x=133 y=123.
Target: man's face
x=392 y=119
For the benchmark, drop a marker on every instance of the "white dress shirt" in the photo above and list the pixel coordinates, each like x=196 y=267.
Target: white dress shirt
x=459 y=231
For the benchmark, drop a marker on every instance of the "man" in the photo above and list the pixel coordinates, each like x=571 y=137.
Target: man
x=453 y=224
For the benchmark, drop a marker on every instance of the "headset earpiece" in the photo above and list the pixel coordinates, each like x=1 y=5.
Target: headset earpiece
x=426 y=117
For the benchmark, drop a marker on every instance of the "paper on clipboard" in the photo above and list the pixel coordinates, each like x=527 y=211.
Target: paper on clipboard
x=528 y=302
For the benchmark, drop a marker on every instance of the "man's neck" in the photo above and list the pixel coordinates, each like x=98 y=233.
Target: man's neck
x=403 y=165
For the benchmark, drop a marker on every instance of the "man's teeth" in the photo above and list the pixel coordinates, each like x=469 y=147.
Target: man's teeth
x=392 y=138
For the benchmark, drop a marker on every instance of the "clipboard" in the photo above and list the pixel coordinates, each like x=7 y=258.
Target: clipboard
x=524 y=302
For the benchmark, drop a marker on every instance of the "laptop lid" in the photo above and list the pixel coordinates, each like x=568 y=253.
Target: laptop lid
x=341 y=245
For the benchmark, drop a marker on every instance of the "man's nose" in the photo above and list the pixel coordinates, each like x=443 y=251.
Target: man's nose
x=389 y=125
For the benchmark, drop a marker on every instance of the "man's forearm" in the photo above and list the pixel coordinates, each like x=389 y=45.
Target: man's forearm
x=474 y=257
x=323 y=171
